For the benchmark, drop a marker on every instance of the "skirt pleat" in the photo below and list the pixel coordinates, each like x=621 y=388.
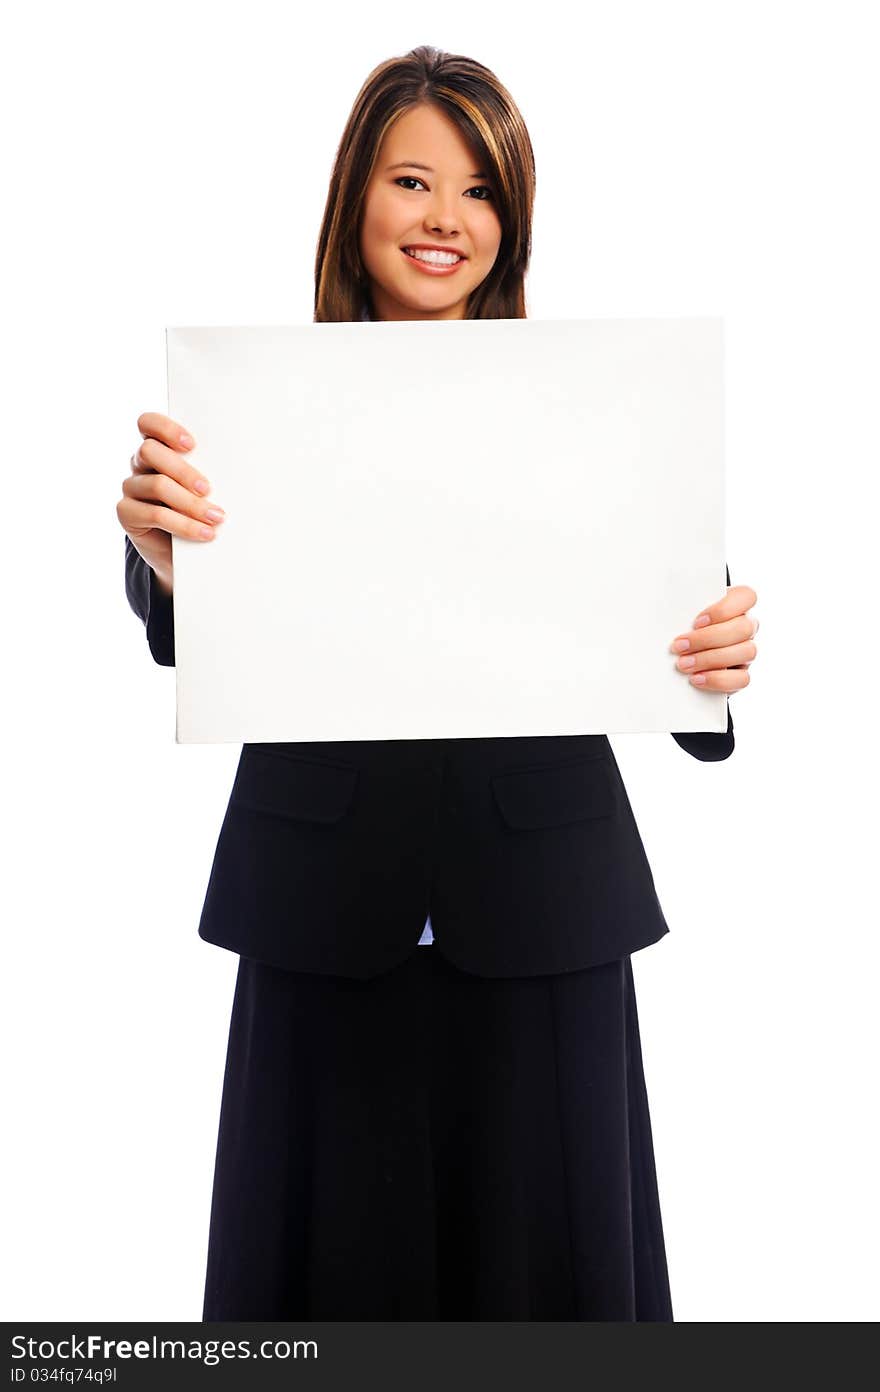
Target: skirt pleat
x=432 y=1144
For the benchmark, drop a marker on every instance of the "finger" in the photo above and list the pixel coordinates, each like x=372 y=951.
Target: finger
x=152 y=456
x=138 y=516
x=163 y=428
x=162 y=489
x=738 y=600
x=731 y=679
x=716 y=658
x=736 y=630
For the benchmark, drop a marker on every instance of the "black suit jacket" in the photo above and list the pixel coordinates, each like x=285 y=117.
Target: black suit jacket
x=524 y=851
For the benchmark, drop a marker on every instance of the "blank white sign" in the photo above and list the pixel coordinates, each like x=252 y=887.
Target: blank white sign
x=448 y=529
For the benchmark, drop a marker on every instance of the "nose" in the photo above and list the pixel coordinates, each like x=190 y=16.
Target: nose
x=441 y=215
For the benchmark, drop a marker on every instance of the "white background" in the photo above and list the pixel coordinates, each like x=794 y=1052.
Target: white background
x=168 y=165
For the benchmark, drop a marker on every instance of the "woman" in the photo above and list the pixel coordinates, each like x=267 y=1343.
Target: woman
x=418 y=1129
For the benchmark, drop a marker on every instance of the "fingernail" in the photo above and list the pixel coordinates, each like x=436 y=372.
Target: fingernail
x=216 y=514
x=202 y=486
x=186 y=440
x=206 y=531
x=685 y=662
x=699 y=680
x=701 y=621
x=681 y=644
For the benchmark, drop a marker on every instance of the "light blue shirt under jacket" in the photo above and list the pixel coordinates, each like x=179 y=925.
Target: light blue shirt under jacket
x=427 y=932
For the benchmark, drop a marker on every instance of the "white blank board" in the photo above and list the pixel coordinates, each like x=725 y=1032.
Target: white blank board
x=448 y=529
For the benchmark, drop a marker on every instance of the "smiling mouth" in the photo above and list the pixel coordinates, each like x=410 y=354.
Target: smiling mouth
x=432 y=257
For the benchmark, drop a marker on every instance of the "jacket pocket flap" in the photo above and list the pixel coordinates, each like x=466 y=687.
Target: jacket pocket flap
x=555 y=794
x=300 y=788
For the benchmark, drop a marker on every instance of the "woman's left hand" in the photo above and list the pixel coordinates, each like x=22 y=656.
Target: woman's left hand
x=718 y=651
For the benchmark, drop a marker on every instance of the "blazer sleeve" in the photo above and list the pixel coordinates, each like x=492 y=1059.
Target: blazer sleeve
x=709 y=746
x=152 y=605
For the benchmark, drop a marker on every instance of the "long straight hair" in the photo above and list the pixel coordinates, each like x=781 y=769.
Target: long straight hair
x=489 y=121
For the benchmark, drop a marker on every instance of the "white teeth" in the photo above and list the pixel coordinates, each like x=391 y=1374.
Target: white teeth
x=437 y=258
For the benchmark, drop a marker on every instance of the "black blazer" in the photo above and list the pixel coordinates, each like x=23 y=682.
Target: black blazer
x=524 y=851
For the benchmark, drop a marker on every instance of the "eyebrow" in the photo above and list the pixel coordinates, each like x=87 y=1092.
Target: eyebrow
x=413 y=164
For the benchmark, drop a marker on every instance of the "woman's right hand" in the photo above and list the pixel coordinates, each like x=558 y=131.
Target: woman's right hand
x=165 y=495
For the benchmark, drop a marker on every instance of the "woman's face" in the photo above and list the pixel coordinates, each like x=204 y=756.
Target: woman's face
x=447 y=204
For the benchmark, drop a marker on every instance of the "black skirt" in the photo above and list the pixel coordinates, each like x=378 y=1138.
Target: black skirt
x=435 y=1145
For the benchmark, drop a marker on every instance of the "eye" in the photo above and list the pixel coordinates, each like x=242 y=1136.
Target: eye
x=411 y=179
